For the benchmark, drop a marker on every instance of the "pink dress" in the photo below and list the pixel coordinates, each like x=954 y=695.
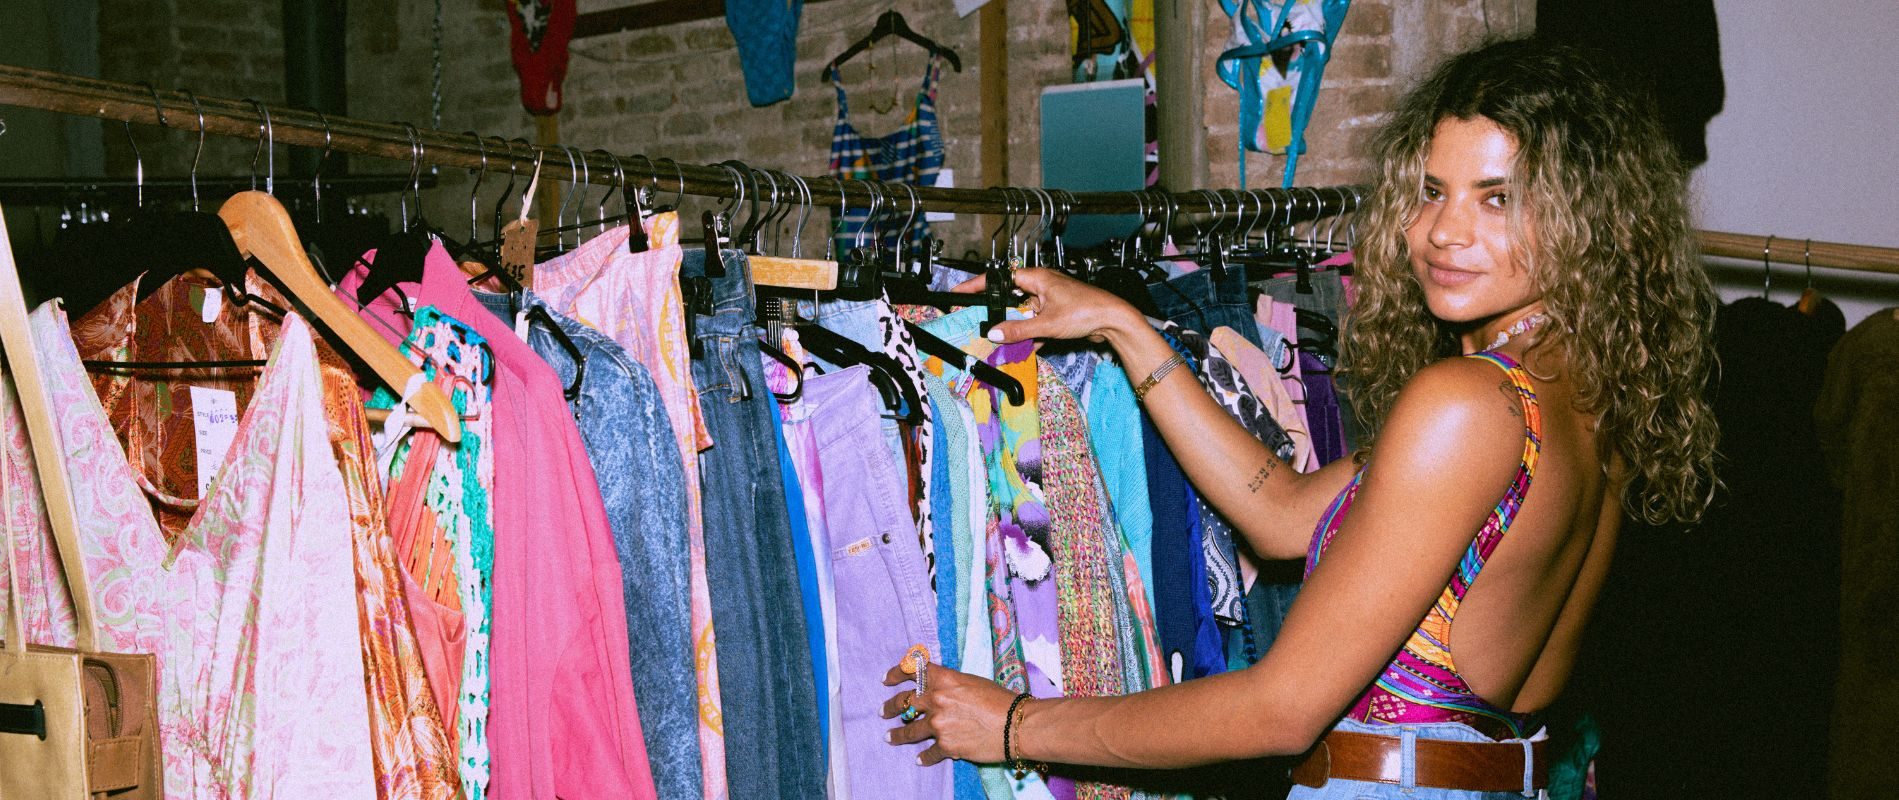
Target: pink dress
x=251 y=609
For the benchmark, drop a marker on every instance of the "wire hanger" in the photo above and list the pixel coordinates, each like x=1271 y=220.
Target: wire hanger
x=1767 y=270
x=891 y=23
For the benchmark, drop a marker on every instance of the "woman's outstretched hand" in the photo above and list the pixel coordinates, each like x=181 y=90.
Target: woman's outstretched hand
x=1064 y=308
x=963 y=713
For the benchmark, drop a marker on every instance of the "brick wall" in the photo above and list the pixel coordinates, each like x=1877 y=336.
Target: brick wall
x=224 y=48
x=677 y=91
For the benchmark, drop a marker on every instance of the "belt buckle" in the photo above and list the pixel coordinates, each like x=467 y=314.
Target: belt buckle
x=1315 y=770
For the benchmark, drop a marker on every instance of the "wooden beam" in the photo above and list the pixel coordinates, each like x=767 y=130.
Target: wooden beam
x=656 y=14
x=1179 y=38
x=994 y=93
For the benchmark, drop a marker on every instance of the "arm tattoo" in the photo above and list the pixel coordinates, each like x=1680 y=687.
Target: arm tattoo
x=1510 y=391
x=1259 y=478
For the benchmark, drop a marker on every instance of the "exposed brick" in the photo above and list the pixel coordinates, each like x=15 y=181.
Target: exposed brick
x=1367 y=19
x=651 y=44
x=650 y=102
x=709 y=38
x=685 y=124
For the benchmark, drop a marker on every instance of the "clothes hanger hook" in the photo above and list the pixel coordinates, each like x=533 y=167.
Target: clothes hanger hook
x=474 y=192
x=323 y=159
x=573 y=181
x=870 y=214
x=1806 y=257
x=1337 y=214
x=738 y=192
x=263 y=138
x=633 y=193
x=580 y=189
x=1767 y=271
x=619 y=184
x=837 y=223
x=199 y=152
x=804 y=214
x=679 y=176
x=415 y=175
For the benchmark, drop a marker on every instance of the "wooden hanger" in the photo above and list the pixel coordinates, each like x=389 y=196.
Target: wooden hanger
x=262 y=229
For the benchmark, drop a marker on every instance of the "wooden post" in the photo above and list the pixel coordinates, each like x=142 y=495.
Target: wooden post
x=1179 y=64
x=994 y=32
x=547 y=204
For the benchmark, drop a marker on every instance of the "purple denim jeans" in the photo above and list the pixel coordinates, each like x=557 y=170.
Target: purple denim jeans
x=883 y=599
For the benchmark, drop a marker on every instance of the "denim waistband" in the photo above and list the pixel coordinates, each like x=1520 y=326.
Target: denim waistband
x=731 y=293
x=732 y=301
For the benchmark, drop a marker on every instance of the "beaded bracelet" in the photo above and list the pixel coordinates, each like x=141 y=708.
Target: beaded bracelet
x=1021 y=767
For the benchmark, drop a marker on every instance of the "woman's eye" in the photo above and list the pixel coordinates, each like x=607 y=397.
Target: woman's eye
x=1499 y=200
x=1432 y=195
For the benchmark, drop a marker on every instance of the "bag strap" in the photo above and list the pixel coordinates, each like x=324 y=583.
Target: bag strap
x=16 y=342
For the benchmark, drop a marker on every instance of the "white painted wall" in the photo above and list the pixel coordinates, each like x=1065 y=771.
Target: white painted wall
x=1807 y=145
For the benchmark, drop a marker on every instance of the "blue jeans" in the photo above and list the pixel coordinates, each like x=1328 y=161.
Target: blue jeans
x=1339 y=789
x=1196 y=301
x=772 y=745
x=630 y=443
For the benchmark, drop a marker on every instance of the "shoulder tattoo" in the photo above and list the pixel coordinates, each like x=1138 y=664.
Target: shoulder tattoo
x=1510 y=393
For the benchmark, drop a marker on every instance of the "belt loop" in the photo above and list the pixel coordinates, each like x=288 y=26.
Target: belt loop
x=1529 y=769
x=1408 y=768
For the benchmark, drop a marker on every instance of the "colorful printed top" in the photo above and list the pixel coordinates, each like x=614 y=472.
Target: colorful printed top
x=443 y=529
x=1421 y=684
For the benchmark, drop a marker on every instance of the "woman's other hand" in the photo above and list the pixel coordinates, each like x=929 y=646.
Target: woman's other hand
x=963 y=713
x=1064 y=308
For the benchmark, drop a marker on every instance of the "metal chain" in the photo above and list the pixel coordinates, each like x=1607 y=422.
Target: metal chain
x=435 y=53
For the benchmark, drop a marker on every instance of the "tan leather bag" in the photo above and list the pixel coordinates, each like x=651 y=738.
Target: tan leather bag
x=80 y=723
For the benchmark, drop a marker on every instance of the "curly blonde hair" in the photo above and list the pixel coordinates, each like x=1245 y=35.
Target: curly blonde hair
x=1598 y=182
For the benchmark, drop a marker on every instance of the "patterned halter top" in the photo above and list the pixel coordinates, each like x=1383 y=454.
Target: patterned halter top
x=1421 y=684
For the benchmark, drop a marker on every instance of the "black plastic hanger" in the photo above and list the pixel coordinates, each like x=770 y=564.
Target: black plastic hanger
x=401 y=254
x=977 y=368
x=891 y=23
x=884 y=370
x=797 y=372
x=171 y=243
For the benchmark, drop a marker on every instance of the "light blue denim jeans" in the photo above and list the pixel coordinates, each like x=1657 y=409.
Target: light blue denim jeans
x=1339 y=789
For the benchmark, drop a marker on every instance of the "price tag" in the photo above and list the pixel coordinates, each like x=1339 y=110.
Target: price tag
x=214 y=421
x=517 y=249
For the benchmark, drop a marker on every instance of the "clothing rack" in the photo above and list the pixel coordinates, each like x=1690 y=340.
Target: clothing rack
x=1786 y=250
x=58 y=191
x=141 y=103
x=130 y=102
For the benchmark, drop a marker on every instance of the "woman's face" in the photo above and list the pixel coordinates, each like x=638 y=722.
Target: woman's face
x=1460 y=242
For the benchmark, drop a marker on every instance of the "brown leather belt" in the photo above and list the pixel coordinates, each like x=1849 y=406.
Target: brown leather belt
x=1469 y=766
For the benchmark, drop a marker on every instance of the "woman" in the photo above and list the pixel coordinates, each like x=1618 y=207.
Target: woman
x=1528 y=215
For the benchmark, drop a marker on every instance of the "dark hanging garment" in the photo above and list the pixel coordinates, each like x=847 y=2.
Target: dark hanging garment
x=1728 y=632
x=1858 y=418
x=1671 y=44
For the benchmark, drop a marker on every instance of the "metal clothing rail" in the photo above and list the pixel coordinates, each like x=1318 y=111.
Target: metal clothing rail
x=140 y=103
x=1784 y=250
x=56 y=191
